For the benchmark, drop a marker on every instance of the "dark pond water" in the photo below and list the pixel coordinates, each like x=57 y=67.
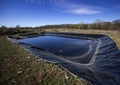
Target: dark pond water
x=95 y=58
x=62 y=46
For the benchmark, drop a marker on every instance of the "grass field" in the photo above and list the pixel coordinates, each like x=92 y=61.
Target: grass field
x=18 y=67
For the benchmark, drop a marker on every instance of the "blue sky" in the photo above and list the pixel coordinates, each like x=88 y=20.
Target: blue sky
x=47 y=12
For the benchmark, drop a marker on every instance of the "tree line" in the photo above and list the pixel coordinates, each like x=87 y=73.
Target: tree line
x=98 y=24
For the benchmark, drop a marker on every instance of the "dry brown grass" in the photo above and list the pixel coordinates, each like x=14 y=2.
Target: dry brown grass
x=18 y=67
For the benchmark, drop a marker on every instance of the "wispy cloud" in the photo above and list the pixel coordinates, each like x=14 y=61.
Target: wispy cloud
x=118 y=6
x=84 y=11
x=31 y=1
x=75 y=8
x=70 y=6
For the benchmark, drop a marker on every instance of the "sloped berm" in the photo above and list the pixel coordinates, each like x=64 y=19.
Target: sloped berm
x=95 y=58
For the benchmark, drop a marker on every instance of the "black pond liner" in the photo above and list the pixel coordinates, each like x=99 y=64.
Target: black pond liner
x=95 y=58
